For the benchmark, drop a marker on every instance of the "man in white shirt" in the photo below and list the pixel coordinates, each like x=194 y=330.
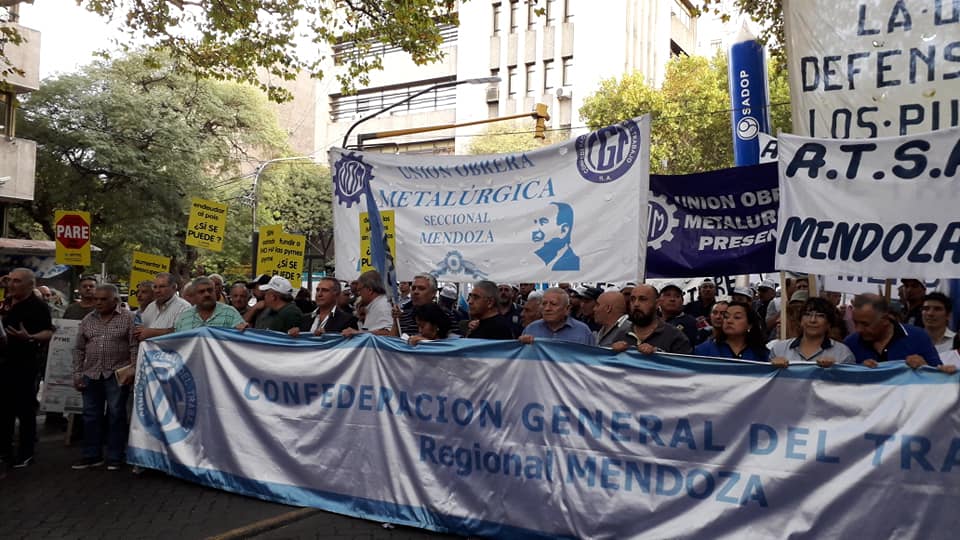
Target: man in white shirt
x=161 y=315
x=379 y=317
x=935 y=313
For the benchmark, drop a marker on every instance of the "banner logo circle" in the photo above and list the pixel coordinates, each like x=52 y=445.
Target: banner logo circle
x=166 y=397
x=661 y=221
x=607 y=154
x=350 y=178
x=748 y=128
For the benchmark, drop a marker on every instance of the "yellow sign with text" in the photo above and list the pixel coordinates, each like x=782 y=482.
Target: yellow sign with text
x=145 y=267
x=207 y=224
x=290 y=251
x=388 y=228
x=72 y=232
x=266 y=249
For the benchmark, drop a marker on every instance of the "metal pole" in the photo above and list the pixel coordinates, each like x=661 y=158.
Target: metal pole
x=480 y=80
x=255 y=234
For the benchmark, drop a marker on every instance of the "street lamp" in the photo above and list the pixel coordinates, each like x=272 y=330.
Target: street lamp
x=255 y=236
x=478 y=80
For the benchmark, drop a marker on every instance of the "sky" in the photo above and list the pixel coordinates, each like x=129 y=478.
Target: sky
x=69 y=35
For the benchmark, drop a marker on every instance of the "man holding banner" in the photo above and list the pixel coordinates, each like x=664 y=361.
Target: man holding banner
x=373 y=296
x=879 y=338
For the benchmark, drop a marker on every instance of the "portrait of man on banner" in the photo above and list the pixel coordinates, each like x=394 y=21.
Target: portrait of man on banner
x=553 y=230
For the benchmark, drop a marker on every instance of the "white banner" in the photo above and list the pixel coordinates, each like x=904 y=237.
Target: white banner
x=884 y=208
x=873 y=67
x=861 y=285
x=59 y=395
x=571 y=211
x=501 y=439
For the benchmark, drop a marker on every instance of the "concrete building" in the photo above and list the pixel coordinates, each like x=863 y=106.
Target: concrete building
x=554 y=52
x=18 y=157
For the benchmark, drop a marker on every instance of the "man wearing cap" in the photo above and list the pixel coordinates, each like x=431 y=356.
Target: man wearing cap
x=744 y=295
x=327 y=317
x=766 y=292
x=207 y=311
x=449 y=297
x=588 y=303
x=913 y=292
x=282 y=314
x=259 y=307
x=611 y=315
x=880 y=338
x=648 y=333
x=379 y=316
x=556 y=323
x=671 y=311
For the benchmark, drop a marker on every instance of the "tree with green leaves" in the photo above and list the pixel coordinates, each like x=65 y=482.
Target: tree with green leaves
x=767 y=13
x=131 y=141
x=243 y=39
x=512 y=136
x=690 y=125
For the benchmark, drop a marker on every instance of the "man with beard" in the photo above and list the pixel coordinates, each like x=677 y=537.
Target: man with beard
x=506 y=306
x=648 y=333
x=553 y=230
x=207 y=311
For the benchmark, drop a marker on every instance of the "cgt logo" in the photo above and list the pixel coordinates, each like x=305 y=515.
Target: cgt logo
x=607 y=154
x=166 y=396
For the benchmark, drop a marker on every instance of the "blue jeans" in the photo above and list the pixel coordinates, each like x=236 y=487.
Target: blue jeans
x=97 y=394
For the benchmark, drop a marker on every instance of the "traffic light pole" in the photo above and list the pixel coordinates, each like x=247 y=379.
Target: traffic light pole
x=539 y=114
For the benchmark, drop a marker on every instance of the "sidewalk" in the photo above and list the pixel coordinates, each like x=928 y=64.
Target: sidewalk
x=50 y=500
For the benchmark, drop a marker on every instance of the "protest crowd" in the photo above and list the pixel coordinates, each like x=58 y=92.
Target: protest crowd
x=758 y=324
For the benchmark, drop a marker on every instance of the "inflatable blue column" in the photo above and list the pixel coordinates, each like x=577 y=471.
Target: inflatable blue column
x=748 y=97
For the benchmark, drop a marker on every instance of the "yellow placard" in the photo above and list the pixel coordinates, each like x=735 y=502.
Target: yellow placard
x=266 y=249
x=145 y=267
x=388 y=228
x=207 y=224
x=289 y=252
x=72 y=232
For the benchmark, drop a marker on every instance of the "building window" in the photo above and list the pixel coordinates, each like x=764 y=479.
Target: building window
x=347 y=50
x=550 y=10
x=514 y=15
x=512 y=82
x=531 y=15
x=568 y=71
x=497 y=11
x=531 y=74
x=7 y=113
x=567 y=11
x=372 y=99
x=548 y=75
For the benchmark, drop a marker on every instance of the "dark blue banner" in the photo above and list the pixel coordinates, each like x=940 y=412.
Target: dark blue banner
x=715 y=223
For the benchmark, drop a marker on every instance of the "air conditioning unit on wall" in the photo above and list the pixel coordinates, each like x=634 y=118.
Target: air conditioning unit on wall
x=493 y=94
x=564 y=94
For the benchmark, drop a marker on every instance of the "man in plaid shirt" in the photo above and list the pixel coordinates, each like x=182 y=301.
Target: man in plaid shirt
x=105 y=343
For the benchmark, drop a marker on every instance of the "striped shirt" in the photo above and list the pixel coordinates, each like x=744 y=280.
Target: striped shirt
x=104 y=344
x=223 y=316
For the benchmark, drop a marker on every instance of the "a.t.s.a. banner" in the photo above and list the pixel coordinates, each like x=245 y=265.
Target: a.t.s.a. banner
x=571 y=210
x=883 y=207
x=873 y=67
x=502 y=439
x=712 y=224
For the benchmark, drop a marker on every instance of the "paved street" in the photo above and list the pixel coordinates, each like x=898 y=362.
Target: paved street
x=50 y=500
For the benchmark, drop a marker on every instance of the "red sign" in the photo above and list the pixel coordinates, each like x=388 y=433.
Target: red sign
x=73 y=231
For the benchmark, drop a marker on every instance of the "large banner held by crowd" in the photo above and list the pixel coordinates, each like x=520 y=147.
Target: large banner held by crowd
x=873 y=67
x=712 y=224
x=884 y=207
x=562 y=212
x=501 y=439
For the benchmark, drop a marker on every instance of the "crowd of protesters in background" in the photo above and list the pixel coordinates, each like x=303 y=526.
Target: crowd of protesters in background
x=749 y=323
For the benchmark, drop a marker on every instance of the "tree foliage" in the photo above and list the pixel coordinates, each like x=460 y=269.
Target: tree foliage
x=514 y=136
x=240 y=39
x=690 y=129
x=131 y=141
x=767 y=13
x=300 y=195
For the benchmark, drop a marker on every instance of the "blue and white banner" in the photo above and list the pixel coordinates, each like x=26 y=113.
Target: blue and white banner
x=872 y=67
x=713 y=224
x=501 y=439
x=567 y=211
x=884 y=208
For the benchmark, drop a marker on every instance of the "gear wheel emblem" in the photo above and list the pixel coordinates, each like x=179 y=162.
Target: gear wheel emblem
x=661 y=221
x=350 y=178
